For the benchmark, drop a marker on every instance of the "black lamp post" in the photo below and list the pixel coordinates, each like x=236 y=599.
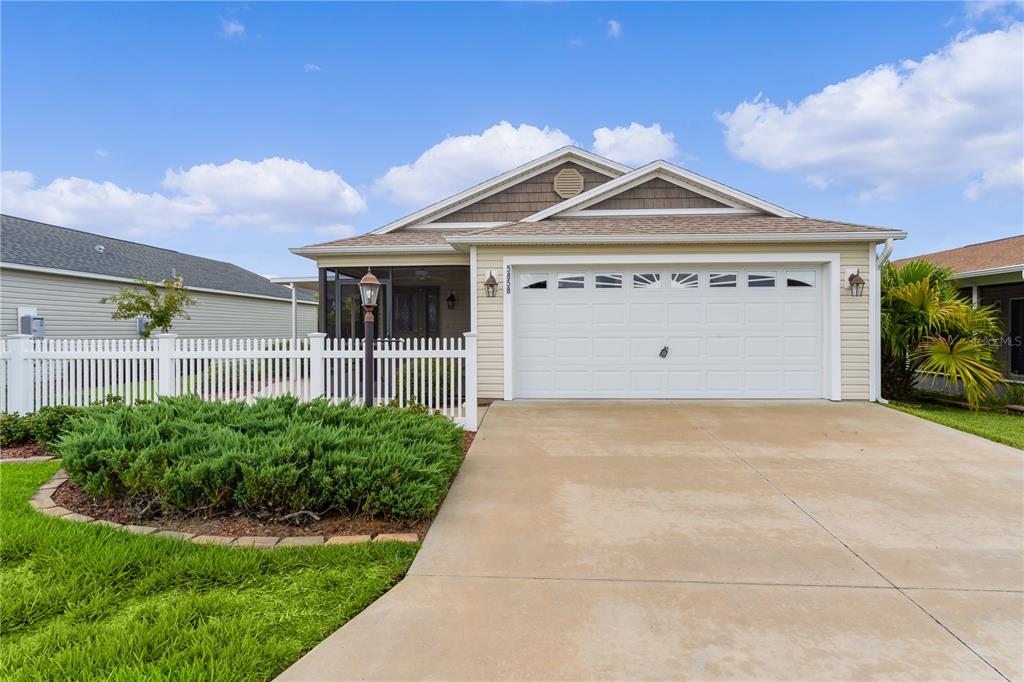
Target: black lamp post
x=369 y=290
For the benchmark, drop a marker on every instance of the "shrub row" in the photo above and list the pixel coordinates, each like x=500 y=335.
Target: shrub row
x=44 y=426
x=276 y=456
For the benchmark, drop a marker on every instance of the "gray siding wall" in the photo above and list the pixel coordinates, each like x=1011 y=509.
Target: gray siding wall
x=657 y=193
x=72 y=309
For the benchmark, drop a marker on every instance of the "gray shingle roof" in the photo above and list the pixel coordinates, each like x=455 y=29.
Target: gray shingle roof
x=27 y=242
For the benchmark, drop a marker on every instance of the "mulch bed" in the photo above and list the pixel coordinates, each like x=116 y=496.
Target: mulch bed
x=71 y=496
x=24 y=451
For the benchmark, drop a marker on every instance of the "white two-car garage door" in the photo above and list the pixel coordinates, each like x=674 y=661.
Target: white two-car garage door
x=747 y=331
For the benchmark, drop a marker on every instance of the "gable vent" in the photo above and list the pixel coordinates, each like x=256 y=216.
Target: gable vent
x=568 y=183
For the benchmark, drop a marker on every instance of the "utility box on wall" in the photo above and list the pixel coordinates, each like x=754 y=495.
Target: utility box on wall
x=33 y=325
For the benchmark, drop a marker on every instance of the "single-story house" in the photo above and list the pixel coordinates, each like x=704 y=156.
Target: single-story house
x=59 y=275
x=585 y=278
x=992 y=273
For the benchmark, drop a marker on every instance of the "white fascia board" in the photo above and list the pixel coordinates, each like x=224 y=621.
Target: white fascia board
x=127 y=280
x=1005 y=270
x=313 y=251
x=678 y=238
x=305 y=279
x=667 y=171
x=457 y=226
x=594 y=213
x=496 y=184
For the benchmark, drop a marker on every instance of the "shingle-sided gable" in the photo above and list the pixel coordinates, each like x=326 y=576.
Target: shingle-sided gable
x=657 y=193
x=523 y=199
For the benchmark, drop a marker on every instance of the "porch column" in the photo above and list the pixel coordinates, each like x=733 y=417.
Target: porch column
x=295 y=305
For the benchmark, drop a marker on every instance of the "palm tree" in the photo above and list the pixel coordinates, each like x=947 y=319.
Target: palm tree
x=928 y=327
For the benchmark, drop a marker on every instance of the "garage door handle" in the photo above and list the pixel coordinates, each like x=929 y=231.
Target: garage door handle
x=664 y=352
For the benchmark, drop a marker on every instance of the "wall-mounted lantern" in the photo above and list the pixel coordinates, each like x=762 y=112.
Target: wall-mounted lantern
x=856 y=284
x=491 y=285
x=451 y=300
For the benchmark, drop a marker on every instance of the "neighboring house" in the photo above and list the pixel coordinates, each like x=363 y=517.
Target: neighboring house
x=615 y=282
x=60 y=275
x=992 y=273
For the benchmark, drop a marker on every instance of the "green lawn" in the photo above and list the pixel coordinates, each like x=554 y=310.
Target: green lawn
x=79 y=601
x=997 y=426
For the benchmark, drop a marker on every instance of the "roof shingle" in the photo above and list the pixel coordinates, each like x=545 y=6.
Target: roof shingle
x=27 y=242
x=999 y=253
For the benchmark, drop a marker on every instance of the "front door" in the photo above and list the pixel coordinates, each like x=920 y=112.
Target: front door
x=417 y=312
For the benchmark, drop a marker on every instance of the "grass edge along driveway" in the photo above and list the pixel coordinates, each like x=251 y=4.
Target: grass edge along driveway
x=81 y=601
x=1000 y=427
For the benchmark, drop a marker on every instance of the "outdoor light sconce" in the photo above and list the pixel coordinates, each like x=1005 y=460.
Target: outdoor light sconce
x=451 y=300
x=856 y=284
x=491 y=285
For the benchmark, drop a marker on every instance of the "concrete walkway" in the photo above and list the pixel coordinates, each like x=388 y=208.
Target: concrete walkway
x=737 y=540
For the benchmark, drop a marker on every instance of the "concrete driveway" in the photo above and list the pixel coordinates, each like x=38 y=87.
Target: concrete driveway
x=735 y=540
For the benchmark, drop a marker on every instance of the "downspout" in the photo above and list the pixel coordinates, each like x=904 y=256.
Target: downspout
x=876 y=318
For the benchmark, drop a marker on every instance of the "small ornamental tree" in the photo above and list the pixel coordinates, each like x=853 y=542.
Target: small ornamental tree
x=158 y=309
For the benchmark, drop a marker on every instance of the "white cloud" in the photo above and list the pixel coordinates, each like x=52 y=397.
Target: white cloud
x=459 y=162
x=311 y=68
x=231 y=28
x=102 y=154
x=576 y=42
x=273 y=194
x=953 y=117
x=1002 y=12
x=636 y=144
x=614 y=29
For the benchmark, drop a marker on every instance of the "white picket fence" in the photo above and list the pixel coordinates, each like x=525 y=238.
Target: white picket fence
x=437 y=373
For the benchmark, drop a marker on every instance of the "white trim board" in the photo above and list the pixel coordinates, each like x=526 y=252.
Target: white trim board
x=482 y=238
x=389 y=249
x=112 y=278
x=833 y=389
x=592 y=213
x=517 y=174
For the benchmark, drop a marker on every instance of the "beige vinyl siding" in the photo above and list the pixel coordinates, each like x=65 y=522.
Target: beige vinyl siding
x=522 y=199
x=854 y=312
x=71 y=309
x=657 y=193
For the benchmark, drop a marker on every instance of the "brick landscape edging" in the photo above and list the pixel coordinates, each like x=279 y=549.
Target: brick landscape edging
x=43 y=502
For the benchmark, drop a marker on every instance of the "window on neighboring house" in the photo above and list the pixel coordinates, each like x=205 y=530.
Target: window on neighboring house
x=722 y=280
x=800 y=278
x=646 y=280
x=570 y=280
x=685 y=280
x=533 y=280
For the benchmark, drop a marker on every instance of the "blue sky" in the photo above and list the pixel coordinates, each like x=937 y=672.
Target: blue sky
x=128 y=118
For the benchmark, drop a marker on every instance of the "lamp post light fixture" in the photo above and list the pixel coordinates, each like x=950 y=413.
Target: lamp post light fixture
x=856 y=284
x=491 y=285
x=369 y=290
x=451 y=300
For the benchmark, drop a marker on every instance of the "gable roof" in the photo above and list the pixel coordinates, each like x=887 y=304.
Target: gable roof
x=505 y=180
x=998 y=254
x=673 y=228
x=49 y=247
x=733 y=198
